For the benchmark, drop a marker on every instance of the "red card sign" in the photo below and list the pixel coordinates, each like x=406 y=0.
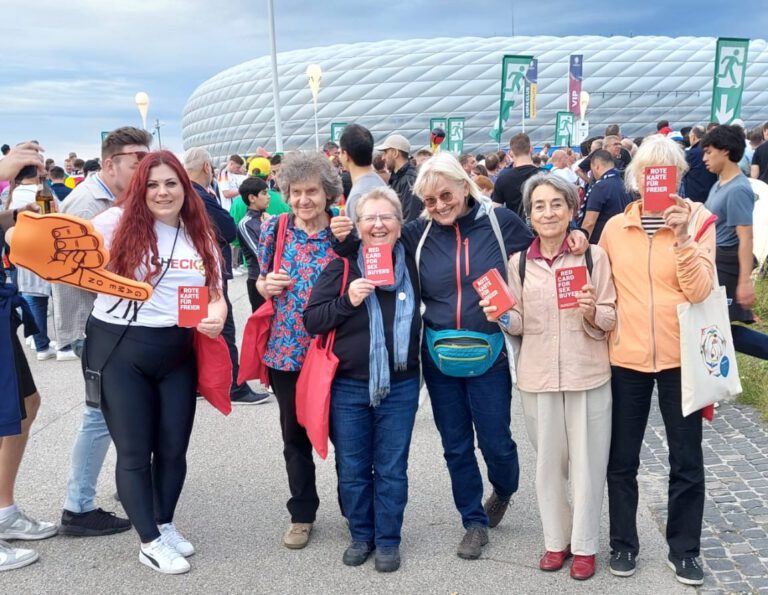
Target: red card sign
x=493 y=287
x=569 y=283
x=660 y=184
x=378 y=264
x=193 y=305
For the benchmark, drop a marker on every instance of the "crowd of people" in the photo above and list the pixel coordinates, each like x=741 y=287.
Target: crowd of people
x=299 y=225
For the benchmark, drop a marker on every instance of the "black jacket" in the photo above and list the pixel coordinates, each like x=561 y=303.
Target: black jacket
x=248 y=233
x=327 y=310
x=226 y=230
x=402 y=182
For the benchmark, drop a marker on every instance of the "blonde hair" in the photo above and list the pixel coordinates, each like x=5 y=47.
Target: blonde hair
x=655 y=150
x=443 y=165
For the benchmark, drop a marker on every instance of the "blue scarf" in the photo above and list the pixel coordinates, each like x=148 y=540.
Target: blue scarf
x=378 y=358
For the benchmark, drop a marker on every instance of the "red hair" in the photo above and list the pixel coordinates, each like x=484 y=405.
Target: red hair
x=135 y=242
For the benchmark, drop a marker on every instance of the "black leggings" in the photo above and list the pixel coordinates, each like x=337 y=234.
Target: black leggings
x=148 y=401
x=254 y=296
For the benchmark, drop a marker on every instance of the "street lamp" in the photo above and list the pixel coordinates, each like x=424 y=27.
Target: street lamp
x=142 y=102
x=314 y=74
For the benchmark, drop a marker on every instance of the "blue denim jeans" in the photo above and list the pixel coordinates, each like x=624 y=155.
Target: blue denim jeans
x=749 y=341
x=461 y=407
x=88 y=452
x=39 y=306
x=372 y=447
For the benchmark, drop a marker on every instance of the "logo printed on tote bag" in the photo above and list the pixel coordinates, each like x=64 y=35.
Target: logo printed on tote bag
x=712 y=347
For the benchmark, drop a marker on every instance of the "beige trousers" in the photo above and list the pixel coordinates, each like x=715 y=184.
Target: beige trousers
x=571 y=433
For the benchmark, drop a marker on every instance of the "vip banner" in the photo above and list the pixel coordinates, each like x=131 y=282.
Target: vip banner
x=575 y=72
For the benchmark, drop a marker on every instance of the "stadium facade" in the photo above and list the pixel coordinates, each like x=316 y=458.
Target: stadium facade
x=397 y=86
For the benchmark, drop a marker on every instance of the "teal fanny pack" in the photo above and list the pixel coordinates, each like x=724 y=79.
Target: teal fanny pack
x=463 y=354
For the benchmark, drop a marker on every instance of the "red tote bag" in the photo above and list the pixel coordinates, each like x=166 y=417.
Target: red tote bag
x=313 y=388
x=214 y=371
x=256 y=332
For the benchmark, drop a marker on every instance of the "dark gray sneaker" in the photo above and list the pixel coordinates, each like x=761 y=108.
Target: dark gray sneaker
x=471 y=545
x=357 y=553
x=495 y=508
x=249 y=397
x=687 y=570
x=622 y=563
x=387 y=558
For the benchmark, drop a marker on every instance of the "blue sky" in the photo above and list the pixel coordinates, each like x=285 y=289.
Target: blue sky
x=71 y=69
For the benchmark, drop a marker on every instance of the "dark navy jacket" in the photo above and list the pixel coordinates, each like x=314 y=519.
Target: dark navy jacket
x=452 y=257
x=226 y=230
x=698 y=180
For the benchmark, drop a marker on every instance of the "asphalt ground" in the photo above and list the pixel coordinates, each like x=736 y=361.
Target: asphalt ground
x=233 y=511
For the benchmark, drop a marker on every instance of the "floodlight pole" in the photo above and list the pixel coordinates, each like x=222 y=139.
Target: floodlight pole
x=275 y=88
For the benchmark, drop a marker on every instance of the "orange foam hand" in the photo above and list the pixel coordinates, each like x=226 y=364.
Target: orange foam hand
x=66 y=249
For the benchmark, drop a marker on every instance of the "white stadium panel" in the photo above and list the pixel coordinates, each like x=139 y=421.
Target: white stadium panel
x=397 y=86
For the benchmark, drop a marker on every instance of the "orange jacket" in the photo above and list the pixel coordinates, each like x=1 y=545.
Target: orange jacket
x=652 y=276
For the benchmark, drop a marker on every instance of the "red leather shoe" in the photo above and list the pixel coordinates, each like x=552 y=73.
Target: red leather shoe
x=552 y=561
x=583 y=567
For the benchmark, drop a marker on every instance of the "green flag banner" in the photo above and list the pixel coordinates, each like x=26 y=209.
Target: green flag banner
x=564 y=129
x=513 y=70
x=728 y=83
x=456 y=135
x=336 y=129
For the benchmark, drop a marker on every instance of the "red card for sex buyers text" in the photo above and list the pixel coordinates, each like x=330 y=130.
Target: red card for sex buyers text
x=193 y=305
x=378 y=264
x=494 y=288
x=660 y=184
x=569 y=282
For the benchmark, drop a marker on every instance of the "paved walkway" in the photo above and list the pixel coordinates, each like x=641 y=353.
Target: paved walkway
x=233 y=510
x=735 y=532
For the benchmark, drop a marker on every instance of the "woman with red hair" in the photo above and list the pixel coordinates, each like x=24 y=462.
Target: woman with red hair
x=157 y=232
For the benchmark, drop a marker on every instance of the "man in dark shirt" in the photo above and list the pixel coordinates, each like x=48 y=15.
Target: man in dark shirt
x=698 y=180
x=759 y=169
x=606 y=198
x=58 y=187
x=508 y=189
x=197 y=162
x=396 y=149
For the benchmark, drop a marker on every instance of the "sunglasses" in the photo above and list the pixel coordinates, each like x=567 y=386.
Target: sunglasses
x=138 y=154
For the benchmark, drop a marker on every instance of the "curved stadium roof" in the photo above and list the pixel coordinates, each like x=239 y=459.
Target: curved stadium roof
x=397 y=86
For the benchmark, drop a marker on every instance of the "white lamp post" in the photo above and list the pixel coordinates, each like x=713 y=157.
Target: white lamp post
x=314 y=74
x=142 y=102
x=583 y=122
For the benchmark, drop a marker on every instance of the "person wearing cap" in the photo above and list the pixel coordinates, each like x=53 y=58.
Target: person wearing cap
x=396 y=149
x=261 y=167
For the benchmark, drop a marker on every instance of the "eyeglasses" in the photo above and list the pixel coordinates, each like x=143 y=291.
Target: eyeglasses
x=385 y=218
x=138 y=154
x=445 y=198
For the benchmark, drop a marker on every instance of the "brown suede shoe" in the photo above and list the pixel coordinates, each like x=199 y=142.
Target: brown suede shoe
x=297 y=536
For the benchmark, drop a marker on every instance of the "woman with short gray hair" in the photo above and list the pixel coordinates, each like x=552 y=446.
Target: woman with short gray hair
x=563 y=372
x=309 y=184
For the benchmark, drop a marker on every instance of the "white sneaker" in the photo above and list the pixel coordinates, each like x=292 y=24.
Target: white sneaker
x=15 y=557
x=237 y=272
x=162 y=558
x=20 y=526
x=30 y=341
x=172 y=538
x=66 y=356
x=49 y=353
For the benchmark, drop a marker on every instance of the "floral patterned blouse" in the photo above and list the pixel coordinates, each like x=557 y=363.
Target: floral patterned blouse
x=304 y=258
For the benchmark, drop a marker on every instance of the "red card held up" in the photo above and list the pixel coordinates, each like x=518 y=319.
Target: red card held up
x=193 y=305
x=494 y=288
x=569 y=282
x=660 y=184
x=378 y=264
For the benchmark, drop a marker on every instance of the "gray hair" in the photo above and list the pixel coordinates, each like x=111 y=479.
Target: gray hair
x=558 y=184
x=698 y=131
x=195 y=158
x=381 y=193
x=305 y=167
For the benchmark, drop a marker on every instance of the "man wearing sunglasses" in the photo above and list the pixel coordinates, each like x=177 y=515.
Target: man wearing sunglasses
x=121 y=152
